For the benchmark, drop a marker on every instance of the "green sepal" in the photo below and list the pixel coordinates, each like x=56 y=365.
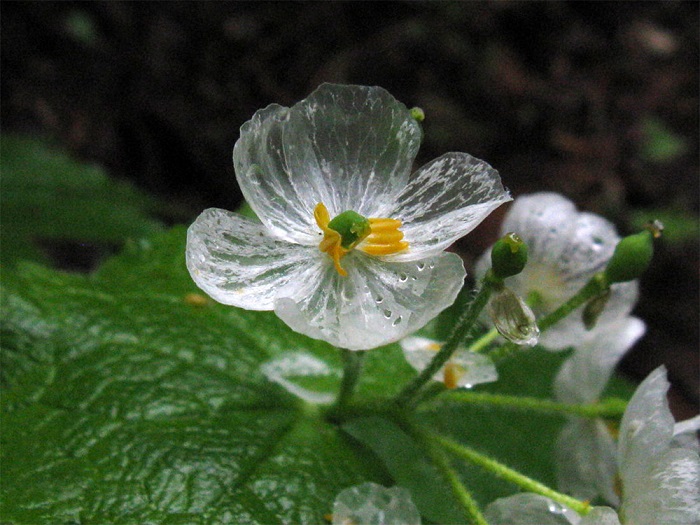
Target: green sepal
x=631 y=257
x=508 y=256
x=352 y=228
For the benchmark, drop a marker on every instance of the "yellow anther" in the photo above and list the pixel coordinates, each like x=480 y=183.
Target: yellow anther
x=379 y=236
x=453 y=373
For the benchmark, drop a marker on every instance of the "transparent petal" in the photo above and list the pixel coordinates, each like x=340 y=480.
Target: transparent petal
x=668 y=493
x=376 y=304
x=584 y=375
x=300 y=374
x=473 y=368
x=529 y=509
x=282 y=196
x=586 y=460
x=513 y=318
x=357 y=142
x=444 y=200
x=601 y=516
x=236 y=261
x=685 y=434
x=372 y=504
x=646 y=429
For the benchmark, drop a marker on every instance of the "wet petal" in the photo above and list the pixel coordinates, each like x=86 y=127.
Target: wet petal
x=646 y=429
x=376 y=304
x=281 y=196
x=585 y=459
x=467 y=368
x=584 y=375
x=444 y=200
x=529 y=509
x=236 y=262
x=372 y=504
x=357 y=143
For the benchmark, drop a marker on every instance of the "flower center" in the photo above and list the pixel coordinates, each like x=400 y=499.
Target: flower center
x=350 y=230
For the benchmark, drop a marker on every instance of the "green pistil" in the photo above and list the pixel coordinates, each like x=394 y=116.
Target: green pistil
x=352 y=227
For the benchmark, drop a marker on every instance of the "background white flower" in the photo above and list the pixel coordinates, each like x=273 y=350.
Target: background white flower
x=586 y=453
x=533 y=509
x=565 y=249
x=372 y=504
x=464 y=369
x=350 y=148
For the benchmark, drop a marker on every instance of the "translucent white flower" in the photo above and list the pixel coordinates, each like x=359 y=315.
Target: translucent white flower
x=586 y=451
x=659 y=472
x=372 y=504
x=464 y=369
x=565 y=249
x=350 y=247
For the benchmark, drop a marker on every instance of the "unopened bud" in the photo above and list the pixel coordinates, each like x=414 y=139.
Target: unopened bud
x=513 y=318
x=633 y=254
x=418 y=114
x=508 y=256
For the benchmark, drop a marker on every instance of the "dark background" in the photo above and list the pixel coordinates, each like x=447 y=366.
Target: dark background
x=556 y=96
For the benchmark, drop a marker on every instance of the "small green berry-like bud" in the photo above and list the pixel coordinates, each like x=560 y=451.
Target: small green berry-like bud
x=631 y=257
x=508 y=256
x=418 y=114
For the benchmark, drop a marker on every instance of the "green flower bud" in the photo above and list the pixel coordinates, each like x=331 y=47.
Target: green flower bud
x=418 y=114
x=632 y=255
x=512 y=318
x=352 y=228
x=508 y=256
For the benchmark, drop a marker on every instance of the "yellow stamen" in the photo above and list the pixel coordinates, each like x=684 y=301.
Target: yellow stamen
x=384 y=238
x=453 y=373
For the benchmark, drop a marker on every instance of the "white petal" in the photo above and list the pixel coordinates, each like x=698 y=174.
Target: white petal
x=236 y=262
x=584 y=375
x=585 y=457
x=357 y=142
x=283 y=197
x=293 y=369
x=685 y=434
x=444 y=200
x=476 y=368
x=529 y=509
x=646 y=429
x=376 y=304
x=669 y=493
x=372 y=504
x=601 y=516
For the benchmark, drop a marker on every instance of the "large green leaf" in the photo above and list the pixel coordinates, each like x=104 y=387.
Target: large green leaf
x=127 y=399
x=49 y=198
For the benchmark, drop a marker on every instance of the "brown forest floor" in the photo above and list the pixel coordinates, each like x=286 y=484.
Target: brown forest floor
x=557 y=96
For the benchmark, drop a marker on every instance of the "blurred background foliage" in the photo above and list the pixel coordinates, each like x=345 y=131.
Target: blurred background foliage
x=598 y=101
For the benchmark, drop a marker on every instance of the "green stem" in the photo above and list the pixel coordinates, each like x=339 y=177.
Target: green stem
x=612 y=407
x=352 y=361
x=459 y=332
x=442 y=463
x=483 y=341
x=592 y=288
x=508 y=474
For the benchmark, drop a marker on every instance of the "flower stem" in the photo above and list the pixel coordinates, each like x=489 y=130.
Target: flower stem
x=352 y=361
x=459 y=332
x=592 y=288
x=508 y=474
x=483 y=341
x=611 y=407
x=442 y=463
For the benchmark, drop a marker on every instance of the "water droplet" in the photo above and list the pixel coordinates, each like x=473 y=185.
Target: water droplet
x=397 y=321
x=431 y=265
x=387 y=314
x=403 y=277
x=420 y=266
x=379 y=299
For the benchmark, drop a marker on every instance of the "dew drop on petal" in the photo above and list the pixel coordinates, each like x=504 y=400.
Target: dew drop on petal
x=403 y=277
x=379 y=299
x=397 y=321
x=387 y=314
